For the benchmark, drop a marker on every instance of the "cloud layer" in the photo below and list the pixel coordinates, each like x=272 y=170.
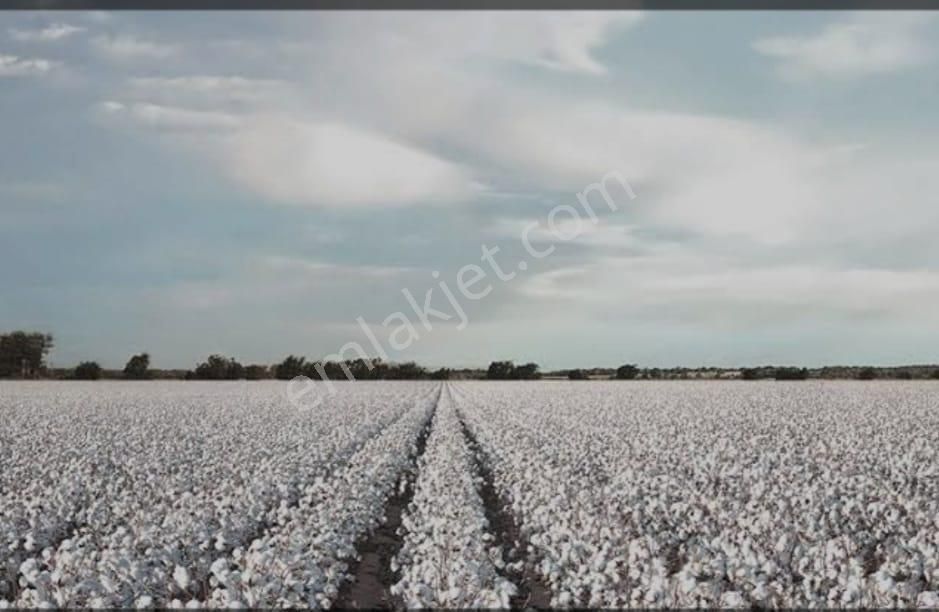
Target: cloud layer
x=312 y=166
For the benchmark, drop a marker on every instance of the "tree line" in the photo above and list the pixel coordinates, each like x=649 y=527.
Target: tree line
x=23 y=355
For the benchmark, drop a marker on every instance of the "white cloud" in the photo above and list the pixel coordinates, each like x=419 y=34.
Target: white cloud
x=696 y=287
x=317 y=269
x=213 y=91
x=112 y=106
x=563 y=41
x=860 y=45
x=172 y=118
x=52 y=32
x=330 y=164
x=129 y=48
x=12 y=65
x=228 y=86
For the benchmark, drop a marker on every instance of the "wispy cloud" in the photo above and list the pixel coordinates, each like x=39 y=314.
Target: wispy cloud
x=124 y=48
x=331 y=164
x=860 y=45
x=172 y=118
x=12 y=66
x=52 y=32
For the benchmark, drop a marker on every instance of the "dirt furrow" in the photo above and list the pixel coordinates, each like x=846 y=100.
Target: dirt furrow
x=532 y=591
x=372 y=576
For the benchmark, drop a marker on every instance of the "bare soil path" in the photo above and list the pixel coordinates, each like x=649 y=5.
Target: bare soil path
x=372 y=577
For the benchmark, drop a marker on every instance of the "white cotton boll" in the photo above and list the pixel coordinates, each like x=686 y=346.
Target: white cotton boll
x=144 y=602
x=928 y=599
x=181 y=577
x=732 y=599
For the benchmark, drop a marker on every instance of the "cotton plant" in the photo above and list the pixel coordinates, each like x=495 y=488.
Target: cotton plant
x=819 y=495
x=448 y=558
x=625 y=495
x=154 y=479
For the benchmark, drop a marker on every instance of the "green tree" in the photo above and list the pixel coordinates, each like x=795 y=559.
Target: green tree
x=290 y=368
x=23 y=354
x=791 y=374
x=406 y=371
x=627 y=372
x=500 y=370
x=138 y=367
x=867 y=374
x=257 y=372
x=528 y=371
x=935 y=374
x=904 y=375
x=441 y=374
x=753 y=373
x=577 y=375
x=218 y=367
x=88 y=370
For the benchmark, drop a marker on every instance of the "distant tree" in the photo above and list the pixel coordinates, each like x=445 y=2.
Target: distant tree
x=290 y=368
x=218 y=367
x=440 y=374
x=935 y=374
x=257 y=372
x=867 y=374
x=23 y=354
x=752 y=373
x=406 y=371
x=500 y=370
x=528 y=371
x=577 y=375
x=654 y=373
x=88 y=370
x=791 y=374
x=138 y=367
x=904 y=375
x=379 y=369
x=361 y=369
x=627 y=372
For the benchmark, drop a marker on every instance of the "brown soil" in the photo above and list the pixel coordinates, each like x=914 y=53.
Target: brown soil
x=372 y=577
x=532 y=591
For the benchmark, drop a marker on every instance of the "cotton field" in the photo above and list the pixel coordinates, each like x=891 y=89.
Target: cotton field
x=470 y=494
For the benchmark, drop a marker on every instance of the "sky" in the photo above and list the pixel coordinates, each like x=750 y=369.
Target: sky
x=258 y=184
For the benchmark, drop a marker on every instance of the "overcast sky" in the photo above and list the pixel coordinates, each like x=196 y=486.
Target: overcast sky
x=251 y=184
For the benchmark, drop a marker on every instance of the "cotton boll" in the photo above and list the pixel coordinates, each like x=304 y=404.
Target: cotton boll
x=181 y=577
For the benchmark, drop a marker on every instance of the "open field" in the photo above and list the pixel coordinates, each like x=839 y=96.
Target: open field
x=470 y=494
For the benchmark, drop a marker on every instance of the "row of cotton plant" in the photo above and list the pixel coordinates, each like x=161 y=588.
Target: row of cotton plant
x=304 y=557
x=449 y=558
x=148 y=485
x=770 y=494
x=562 y=524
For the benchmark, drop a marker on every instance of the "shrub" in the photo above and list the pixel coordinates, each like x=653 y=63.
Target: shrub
x=289 y=368
x=441 y=374
x=257 y=372
x=138 y=367
x=217 y=367
x=500 y=370
x=627 y=372
x=88 y=370
x=791 y=374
